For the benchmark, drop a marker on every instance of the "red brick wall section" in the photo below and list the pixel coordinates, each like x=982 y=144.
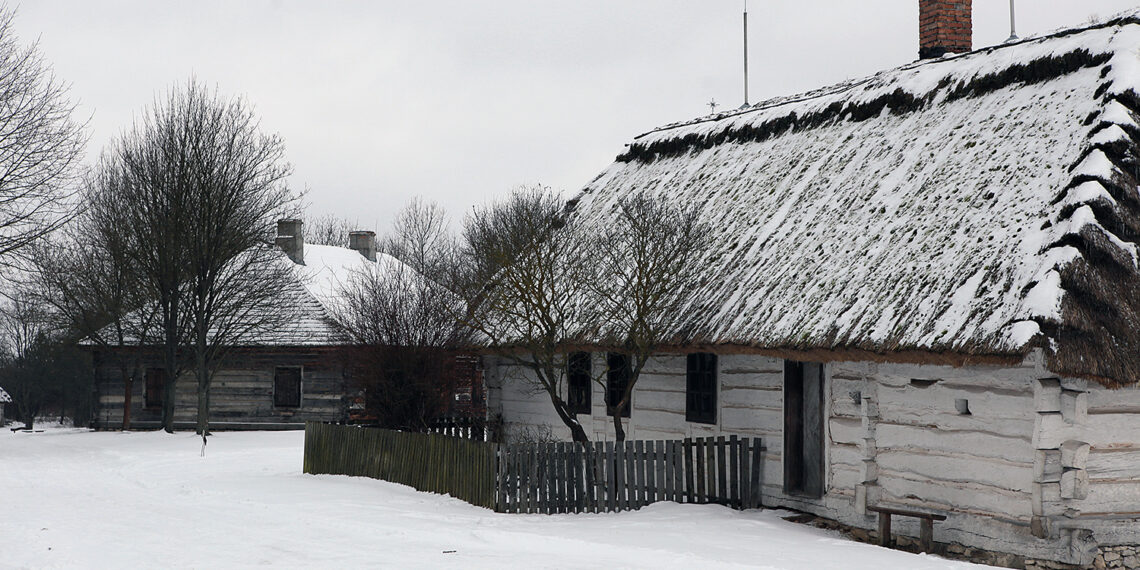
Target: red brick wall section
x=944 y=26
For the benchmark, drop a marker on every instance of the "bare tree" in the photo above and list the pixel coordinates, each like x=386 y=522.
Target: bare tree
x=239 y=193
x=646 y=263
x=404 y=325
x=420 y=238
x=195 y=188
x=84 y=278
x=139 y=190
x=37 y=367
x=329 y=230
x=405 y=337
x=42 y=144
x=525 y=290
x=542 y=280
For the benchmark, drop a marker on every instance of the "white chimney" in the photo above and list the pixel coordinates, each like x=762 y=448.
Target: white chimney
x=291 y=239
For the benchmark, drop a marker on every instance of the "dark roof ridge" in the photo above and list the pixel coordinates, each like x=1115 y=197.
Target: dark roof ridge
x=1130 y=17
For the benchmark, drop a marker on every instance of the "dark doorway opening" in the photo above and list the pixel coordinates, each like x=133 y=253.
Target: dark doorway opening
x=803 y=429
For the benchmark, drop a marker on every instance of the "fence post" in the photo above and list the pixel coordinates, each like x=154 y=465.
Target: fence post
x=756 y=475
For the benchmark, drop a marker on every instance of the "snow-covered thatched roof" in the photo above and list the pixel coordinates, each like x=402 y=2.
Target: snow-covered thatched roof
x=976 y=206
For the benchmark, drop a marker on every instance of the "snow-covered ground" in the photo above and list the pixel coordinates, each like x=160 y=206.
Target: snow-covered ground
x=77 y=499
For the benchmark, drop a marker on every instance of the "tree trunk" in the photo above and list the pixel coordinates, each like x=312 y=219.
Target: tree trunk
x=619 y=430
x=203 y=373
x=577 y=432
x=172 y=340
x=128 y=390
x=627 y=396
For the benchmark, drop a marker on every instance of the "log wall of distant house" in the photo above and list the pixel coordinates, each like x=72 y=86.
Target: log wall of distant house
x=241 y=395
x=983 y=444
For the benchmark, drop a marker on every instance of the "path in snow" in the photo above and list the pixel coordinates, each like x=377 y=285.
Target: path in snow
x=76 y=499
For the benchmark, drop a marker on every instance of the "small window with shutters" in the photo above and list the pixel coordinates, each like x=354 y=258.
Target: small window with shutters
x=617 y=378
x=578 y=383
x=155 y=385
x=700 y=390
x=287 y=387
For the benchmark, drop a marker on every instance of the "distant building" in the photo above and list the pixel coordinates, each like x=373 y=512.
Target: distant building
x=277 y=379
x=4 y=400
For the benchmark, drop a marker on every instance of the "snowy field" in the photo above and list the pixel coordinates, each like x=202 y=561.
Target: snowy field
x=76 y=499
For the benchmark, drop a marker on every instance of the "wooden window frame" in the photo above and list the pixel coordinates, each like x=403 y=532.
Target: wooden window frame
x=579 y=383
x=277 y=397
x=615 y=374
x=701 y=388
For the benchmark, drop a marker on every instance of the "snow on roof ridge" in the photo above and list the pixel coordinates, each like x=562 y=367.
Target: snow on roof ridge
x=1128 y=17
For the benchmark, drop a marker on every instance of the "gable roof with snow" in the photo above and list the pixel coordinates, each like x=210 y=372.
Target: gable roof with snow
x=313 y=297
x=977 y=206
x=316 y=295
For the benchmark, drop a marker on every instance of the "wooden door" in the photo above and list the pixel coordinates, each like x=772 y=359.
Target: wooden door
x=803 y=429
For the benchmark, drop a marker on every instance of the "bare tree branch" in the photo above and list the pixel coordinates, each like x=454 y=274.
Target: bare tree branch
x=524 y=287
x=404 y=325
x=646 y=266
x=40 y=144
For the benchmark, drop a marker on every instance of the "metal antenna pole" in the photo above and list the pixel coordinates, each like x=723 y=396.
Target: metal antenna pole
x=746 y=52
x=1012 y=24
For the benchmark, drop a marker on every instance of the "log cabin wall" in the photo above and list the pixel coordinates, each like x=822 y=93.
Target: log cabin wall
x=241 y=395
x=1001 y=450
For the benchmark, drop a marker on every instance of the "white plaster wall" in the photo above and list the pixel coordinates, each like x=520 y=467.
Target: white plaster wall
x=1088 y=440
x=898 y=439
x=892 y=442
x=750 y=401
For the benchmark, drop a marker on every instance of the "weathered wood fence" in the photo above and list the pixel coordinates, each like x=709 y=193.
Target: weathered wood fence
x=609 y=476
x=462 y=468
x=546 y=477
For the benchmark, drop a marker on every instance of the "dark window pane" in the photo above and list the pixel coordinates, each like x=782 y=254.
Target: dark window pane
x=578 y=383
x=617 y=378
x=700 y=390
x=287 y=388
x=155 y=384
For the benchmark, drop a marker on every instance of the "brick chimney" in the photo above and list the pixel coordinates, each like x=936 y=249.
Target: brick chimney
x=944 y=26
x=364 y=242
x=291 y=239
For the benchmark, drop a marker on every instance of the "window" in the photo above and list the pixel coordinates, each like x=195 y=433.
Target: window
x=155 y=385
x=700 y=389
x=578 y=383
x=287 y=387
x=617 y=378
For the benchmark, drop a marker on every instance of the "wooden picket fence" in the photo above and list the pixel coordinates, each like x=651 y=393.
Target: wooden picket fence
x=609 y=476
x=546 y=477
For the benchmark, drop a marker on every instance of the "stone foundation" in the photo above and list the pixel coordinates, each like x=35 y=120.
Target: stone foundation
x=1122 y=557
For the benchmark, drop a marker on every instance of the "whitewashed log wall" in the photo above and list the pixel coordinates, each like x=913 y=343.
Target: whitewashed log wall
x=1021 y=461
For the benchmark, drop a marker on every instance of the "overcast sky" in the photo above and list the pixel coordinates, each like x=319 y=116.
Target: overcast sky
x=458 y=101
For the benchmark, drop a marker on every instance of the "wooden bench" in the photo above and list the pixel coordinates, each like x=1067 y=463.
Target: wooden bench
x=926 y=533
